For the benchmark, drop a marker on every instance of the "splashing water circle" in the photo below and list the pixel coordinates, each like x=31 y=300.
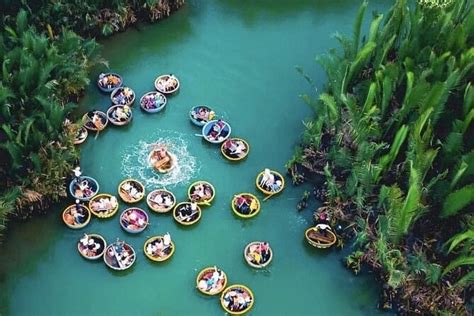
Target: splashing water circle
x=135 y=160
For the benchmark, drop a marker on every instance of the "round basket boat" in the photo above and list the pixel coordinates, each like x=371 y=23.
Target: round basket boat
x=161 y=200
x=258 y=254
x=76 y=216
x=108 y=82
x=119 y=115
x=201 y=192
x=235 y=149
x=83 y=189
x=201 y=114
x=270 y=182
x=216 y=131
x=211 y=281
x=95 y=120
x=156 y=250
x=134 y=220
x=123 y=96
x=184 y=213
x=80 y=136
x=119 y=256
x=91 y=246
x=167 y=166
x=245 y=205
x=153 y=102
x=167 y=84
x=241 y=291
x=103 y=205
x=320 y=238
x=131 y=191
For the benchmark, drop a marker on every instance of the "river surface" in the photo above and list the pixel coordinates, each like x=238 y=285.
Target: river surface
x=238 y=57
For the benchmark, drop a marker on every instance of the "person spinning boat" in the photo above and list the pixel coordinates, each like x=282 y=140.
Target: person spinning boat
x=160 y=157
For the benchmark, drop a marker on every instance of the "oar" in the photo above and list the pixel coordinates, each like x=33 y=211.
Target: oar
x=199 y=135
x=269 y=196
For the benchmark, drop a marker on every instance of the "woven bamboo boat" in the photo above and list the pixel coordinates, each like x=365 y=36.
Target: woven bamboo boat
x=111 y=82
x=161 y=200
x=170 y=165
x=185 y=215
x=261 y=182
x=201 y=192
x=167 y=84
x=235 y=149
x=251 y=258
x=153 y=102
x=75 y=218
x=201 y=114
x=83 y=188
x=134 y=220
x=161 y=252
x=119 y=256
x=320 y=238
x=238 y=290
x=103 y=205
x=114 y=115
x=131 y=191
x=216 y=131
x=245 y=205
x=81 y=135
x=207 y=282
x=91 y=246
x=95 y=121
x=123 y=96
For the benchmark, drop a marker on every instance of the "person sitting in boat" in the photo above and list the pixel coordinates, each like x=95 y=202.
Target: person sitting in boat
x=323 y=229
x=167 y=201
x=217 y=130
x=132 y=220
x=265 y=251
x=122 y=114
x=79 y=217
x=167 y=240
x=243 y=205
x=275 y=187
x=77 y=174
x=268 y=179
x=160 y=157
x=322 y=218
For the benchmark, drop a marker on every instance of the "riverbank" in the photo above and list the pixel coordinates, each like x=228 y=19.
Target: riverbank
x=47 y=65
x=390 y=139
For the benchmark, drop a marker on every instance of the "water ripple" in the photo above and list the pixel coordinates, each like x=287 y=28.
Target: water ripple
x=135 y=164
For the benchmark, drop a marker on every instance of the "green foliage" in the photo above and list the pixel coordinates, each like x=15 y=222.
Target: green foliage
x=395 y=126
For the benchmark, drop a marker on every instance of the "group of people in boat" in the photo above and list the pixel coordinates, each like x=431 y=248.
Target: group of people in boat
x=120 y=255
x=237 y=300
x=123 y=96
x=259 y=253
x=75 y=215
x=187 y=212
x=104 y=204
x=89 y=246
x=162 y=200
x=167 y=83
x=160 y=247
x=133 y=219
x=122 y=113
x=160 y=157
x=212 y=281
x=83 y=189
x=270 y=182
x=130 y=189
x=203 y=114
x=201 y=192
x=95 y=120
x=246 y=204
x=217 y=131
x=153 y=100
x=235 y=148
x=109 y=81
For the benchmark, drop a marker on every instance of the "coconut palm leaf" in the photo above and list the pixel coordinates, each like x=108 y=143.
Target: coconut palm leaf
x=454 y=241
x=460 y=261
x=457 y=201
x=465 y=281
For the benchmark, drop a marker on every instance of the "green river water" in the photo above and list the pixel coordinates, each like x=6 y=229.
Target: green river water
x=238 y=57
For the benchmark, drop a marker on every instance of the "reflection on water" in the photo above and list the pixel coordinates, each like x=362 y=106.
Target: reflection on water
x=135 y=160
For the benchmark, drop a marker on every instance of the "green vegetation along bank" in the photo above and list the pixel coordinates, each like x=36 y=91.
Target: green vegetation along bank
x=45 y=67
x=392 y=141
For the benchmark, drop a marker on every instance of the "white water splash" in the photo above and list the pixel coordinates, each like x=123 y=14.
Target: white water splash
x=135 y=160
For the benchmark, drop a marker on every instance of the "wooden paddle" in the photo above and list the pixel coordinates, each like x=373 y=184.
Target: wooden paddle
x=269 y=196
